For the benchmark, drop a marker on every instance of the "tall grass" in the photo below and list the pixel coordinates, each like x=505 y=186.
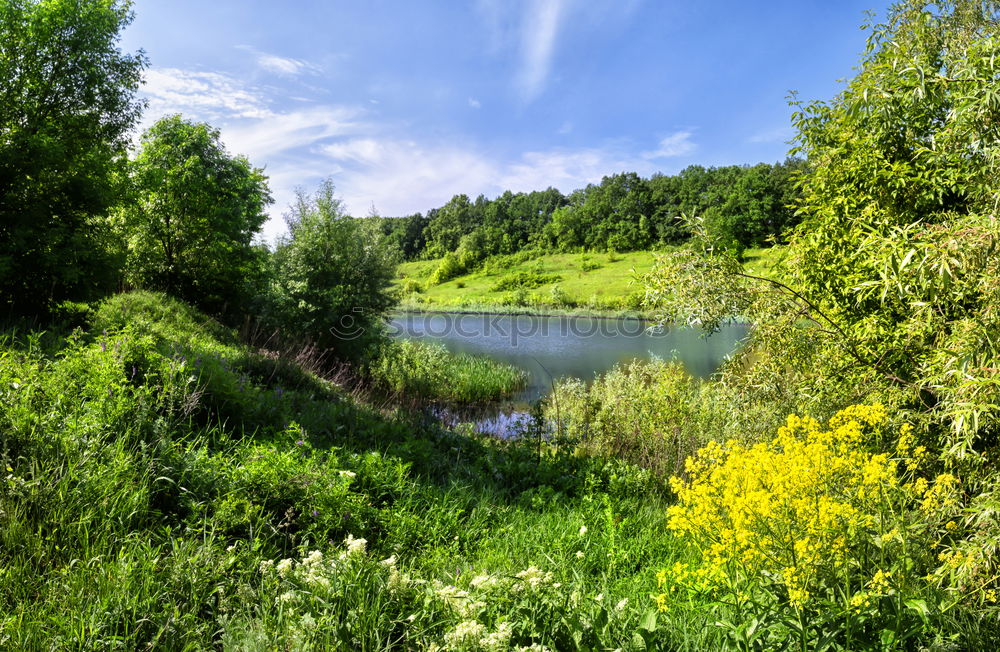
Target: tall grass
x=428 y=371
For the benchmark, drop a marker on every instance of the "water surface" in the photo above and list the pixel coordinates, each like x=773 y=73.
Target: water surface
x=549 y=348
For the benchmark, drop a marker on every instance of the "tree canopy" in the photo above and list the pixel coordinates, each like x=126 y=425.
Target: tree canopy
x=195 y=211
x=67 y=102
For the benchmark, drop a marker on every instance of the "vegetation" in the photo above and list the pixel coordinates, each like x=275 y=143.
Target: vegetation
x=424 y=371
x=67 y=103
x=589 y=282
x=189 y=228
x=169 y=482
x=330 y=277
x=166 y=485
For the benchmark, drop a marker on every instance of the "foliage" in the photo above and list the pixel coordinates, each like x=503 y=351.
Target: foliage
x=812 y=538
x=67 y=102
x=190 y=226
x=330 y=278
x=422 y=371
x=893 y=266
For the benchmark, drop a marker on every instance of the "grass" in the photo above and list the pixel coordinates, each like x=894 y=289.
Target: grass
x=165 y=486
x=592 y=283
x=424 y=371
x=609 y=287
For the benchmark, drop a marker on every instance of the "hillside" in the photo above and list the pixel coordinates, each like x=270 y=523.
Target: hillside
x=598 y=283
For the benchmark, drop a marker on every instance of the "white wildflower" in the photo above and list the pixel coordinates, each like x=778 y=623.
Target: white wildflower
x=621 y=604
x=350 y=475
x=285 y=566
x=534 y=577
x=465 y=632
x=287 y=597
x=483 y=582
x=314 y=558
x=583 y=530
x=498 y=640
x=579 y=554
x=355 y=546
x=266 y=566
x=308 y=622
x=391 y=561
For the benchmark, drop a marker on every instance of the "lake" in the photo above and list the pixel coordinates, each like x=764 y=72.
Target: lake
x=549 y=348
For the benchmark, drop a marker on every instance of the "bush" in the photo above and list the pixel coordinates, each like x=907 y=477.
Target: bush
x=810 y=537
x=449 y=268
x=646 y=412
x=524 y=280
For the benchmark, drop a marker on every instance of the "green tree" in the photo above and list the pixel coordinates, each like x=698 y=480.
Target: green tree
x=196 y=210
x=331 y=276
x=67 y=102
x=895 y=262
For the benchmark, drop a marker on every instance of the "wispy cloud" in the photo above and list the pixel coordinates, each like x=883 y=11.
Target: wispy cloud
x=374 y=162
x=208 y=94
x=773 y=135
x=474 y=103
x=676 y=144
x=284 y=66
x=539 y=31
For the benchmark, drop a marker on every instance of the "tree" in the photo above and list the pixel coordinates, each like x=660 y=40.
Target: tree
x=331 y=276
x=195 y=213
x=895 y=262
x=67 y=102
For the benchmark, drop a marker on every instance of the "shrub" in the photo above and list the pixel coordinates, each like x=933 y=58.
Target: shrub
x=449 y=268
x=524 y=280
x=646 y=412
x=811 y=537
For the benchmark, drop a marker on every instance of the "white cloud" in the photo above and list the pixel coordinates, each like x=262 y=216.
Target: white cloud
x=278 y=65
x=474 y=103
x=676 y=144
x=774 y=135
x=209 y=94
x=287 y=131
x=374 y=163
x=539 y=30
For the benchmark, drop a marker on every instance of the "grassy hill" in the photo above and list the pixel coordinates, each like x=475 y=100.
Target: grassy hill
x=590 y=282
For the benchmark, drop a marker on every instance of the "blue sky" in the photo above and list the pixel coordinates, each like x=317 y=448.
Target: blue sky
x=405 y=104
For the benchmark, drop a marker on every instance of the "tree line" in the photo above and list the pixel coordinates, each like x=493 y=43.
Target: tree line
x=743 y=205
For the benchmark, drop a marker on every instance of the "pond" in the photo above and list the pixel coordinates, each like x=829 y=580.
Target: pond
x=551 y=347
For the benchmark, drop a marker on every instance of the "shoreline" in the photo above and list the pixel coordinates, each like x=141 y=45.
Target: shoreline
x=524 y=311
x=520 y=311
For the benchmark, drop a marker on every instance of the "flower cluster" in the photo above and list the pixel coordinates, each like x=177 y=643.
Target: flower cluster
x=795 y=512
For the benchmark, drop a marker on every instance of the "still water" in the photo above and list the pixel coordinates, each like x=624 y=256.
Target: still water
x=549 y=348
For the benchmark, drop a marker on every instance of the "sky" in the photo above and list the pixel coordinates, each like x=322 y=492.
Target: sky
x=405 y=104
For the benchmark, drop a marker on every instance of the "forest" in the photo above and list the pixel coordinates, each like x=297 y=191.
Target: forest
x=211 y=442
